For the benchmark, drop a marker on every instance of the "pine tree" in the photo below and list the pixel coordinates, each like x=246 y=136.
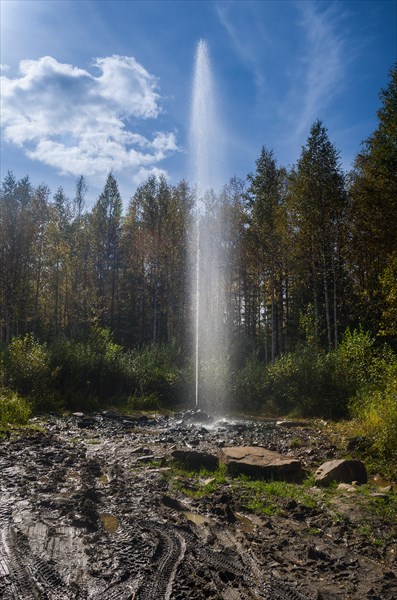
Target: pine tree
x=373 y=207
x=317 y=204
x=105 y=229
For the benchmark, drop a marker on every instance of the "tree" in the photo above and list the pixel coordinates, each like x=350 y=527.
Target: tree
x=266 y=223
x=317 y=204
x=17 y=230
x=373 y=207
x=105 y=229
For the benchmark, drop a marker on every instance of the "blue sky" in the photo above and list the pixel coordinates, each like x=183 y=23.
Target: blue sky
x=93 y=86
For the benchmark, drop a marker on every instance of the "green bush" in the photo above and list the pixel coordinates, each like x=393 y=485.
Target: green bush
x=355 y=359
x=304 y=383
x=311 y=382
x=375 y=408
x=250 y=385
x=151 y=370
x=89 y=372
x=151 y=402
x=27 y=366
x=100 y=372
x=14 y=410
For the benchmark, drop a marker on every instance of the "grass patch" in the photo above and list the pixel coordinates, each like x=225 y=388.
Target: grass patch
x=14 y=410
x=264 y=496
x=195 y=484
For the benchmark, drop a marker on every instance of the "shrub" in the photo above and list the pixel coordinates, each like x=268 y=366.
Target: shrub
x=150 y=370
x=250 y=385
x=355 y=359
x=28 y=370
x=90 y=372
x=375 y=408
x=13 y=408
x=151 y=402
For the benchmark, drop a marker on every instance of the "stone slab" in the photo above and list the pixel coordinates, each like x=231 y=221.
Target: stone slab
x=261 y=463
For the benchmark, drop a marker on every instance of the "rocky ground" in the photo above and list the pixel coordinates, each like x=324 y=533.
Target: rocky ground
x=93 y=508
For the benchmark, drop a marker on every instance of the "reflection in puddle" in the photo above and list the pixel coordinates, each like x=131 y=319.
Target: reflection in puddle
x=196 y=518
x=109 y=522
x=246 y=523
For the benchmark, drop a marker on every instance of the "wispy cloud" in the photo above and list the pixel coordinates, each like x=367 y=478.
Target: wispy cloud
x=320 y=68
x=244 y=44
x=80 y=122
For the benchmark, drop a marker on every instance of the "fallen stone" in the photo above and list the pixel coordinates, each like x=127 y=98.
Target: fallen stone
x=347 y=487
x=260 y=463
x=192 y=459
x=86 y=423
x=343 y=471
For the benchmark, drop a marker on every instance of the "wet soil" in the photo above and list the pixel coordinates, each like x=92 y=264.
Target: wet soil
x=89 y=510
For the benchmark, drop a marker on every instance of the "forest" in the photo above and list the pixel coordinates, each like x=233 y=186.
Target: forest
x=95 y=308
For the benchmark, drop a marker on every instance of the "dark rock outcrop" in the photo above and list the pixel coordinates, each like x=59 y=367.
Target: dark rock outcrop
x=342 y=471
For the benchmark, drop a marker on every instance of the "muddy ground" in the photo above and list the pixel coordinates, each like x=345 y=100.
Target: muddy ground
x=90 y=509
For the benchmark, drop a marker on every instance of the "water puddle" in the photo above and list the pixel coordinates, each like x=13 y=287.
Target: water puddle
x=246 y=523
x=109 y=522
x=379 y=482
x=196 y=518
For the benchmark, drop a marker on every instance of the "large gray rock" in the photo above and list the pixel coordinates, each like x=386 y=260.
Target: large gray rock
x=341 y=471
x=260 y=462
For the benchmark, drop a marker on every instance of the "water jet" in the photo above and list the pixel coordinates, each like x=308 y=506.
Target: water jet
x=207 y=256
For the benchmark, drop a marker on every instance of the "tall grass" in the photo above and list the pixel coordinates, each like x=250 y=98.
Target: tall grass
x=14 y=410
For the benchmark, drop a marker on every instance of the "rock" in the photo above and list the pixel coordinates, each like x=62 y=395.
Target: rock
x=111 y=414
x=386 y=489
x=192 y=459
x=196 y=416
x=86 y=423
x=347 y=487
x=344 y=471
x=260 y=462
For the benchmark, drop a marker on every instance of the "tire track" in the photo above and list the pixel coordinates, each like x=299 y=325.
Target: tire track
x=169 y=552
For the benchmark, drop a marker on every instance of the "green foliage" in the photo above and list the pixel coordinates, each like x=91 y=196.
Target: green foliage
x=375 y=408
x=250 y=384
x=153 y=373
x=388 y=281
x=355 y=357
x=88 y=373
x=311 y=382
x=301 y=383
x=28 y=370
x=14 y=410
x=151 y=402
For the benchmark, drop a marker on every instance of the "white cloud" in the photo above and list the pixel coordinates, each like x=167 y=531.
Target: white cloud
x=321 y=68
x=79 y=122
x=143 y=174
